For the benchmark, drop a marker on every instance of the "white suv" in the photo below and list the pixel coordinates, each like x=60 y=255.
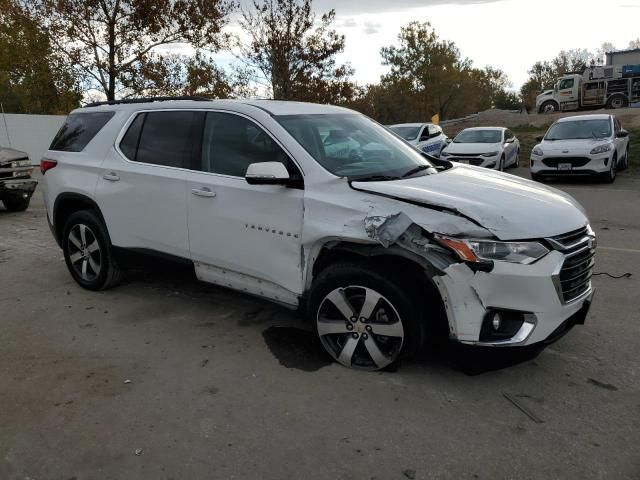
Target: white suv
x=377 y=243
x=583 y=145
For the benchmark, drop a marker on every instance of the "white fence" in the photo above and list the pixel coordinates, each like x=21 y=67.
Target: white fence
x=29 y=133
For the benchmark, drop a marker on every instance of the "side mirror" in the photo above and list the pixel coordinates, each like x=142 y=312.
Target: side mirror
x=622 y=133
x=539 y=138
x=448 y=140
x=267 y=173
x=510 y=140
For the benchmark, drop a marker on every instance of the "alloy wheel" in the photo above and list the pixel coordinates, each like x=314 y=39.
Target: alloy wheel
x=84 y=252
x=360 y=328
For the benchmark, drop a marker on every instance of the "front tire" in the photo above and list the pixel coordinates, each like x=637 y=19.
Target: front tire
x=501 y=164
x=610 y=176
x=16 y=204
x=549 y=107
x=363 y=319
x=88 y=252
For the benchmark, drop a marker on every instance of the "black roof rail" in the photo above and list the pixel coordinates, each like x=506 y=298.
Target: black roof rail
x=148 y=100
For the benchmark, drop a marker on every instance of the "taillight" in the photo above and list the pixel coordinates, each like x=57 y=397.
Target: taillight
x=46 y=164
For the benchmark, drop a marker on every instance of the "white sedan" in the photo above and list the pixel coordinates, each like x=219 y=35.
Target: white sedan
x=426 y=137
x=490 y=147
x=582 y=145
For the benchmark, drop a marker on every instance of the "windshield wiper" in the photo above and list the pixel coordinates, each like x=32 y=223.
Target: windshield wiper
x=415 y=170
x=375 y=178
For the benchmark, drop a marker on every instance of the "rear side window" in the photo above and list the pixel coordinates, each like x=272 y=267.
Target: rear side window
x=78 y=130
x=161 y=138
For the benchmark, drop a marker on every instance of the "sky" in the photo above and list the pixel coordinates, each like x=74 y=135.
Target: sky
x=507 y=34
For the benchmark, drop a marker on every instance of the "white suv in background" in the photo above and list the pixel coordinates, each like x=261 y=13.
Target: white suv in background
x=378 y=244
x=584 y=145
x=426 y=137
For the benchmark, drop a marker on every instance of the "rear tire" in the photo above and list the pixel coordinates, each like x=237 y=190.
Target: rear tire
x=88 y=252
x=617 y=101
x=16 y=204
x=345 y=293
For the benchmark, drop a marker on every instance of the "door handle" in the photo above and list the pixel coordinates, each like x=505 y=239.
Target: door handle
x=111 y=176
x=203 y=192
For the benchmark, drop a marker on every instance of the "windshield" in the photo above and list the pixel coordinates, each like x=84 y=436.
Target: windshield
x=355 y=147
x=577 y=129
x=408 y=133
x=479 y=136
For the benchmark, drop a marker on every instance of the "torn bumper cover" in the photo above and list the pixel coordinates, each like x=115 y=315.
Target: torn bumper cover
x=513 y=304
x=19 y=187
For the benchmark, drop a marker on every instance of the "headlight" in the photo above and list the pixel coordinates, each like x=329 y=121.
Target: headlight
x=20 y=163
x=444 y=154
x=537 y=151
x=601 y=149
x=477 y=251
x=490 y=154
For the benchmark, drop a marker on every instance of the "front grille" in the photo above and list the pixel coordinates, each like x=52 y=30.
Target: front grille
x=575 y=275
x=574 y=161
x=472 y=161
x=569 y=239
x=574 y=278
x=4 y=174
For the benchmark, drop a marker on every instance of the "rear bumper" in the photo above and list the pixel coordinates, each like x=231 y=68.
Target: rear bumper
x=19 y=187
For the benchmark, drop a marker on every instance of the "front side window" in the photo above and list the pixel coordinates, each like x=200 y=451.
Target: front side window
x=161 y=138
x=566 y=83
x=478 y=136
x=230 y=143
x=78 y=130
x=579 y=129
x=352 y=146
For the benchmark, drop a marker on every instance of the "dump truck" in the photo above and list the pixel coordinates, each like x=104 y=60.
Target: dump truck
x=596 y=87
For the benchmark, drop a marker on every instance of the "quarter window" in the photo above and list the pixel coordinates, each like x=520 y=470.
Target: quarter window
x=78 y=130
x=230 y=143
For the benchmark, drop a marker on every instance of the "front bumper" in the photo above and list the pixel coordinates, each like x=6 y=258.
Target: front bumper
x=583 y=165
x=486 y=162
x=470 y=297
x=19 y=187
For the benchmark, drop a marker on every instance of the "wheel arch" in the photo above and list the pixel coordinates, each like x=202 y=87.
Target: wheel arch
x=411 y=266
x=68 y=203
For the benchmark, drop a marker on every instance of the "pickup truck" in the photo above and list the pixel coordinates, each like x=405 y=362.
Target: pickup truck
x=16 y=184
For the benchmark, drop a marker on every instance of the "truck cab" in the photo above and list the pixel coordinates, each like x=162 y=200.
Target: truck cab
x=564 y=96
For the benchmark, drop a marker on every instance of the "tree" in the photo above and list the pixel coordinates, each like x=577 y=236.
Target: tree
x=633 y=44
x=293 y=53
x=32 y=78
x=110 y=42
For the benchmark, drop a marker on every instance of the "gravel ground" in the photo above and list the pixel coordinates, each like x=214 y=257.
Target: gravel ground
x=168 y=378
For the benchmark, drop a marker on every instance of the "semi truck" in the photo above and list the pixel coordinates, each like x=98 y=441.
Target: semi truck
x=596 y=87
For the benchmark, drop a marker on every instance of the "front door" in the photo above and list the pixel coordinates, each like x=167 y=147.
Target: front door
x=244 y=236
x=568 y=94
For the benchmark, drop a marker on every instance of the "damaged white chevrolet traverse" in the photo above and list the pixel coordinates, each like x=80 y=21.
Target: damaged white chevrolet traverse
x=320 y=208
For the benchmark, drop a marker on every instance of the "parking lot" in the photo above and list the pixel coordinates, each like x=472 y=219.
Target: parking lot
x=164 y=377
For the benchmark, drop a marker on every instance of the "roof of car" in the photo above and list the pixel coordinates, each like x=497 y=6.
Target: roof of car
x=273 y=107
x=595 y=116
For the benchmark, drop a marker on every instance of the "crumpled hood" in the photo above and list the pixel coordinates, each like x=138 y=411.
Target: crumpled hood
x=571 y=147
x=11 y=155
x=511 y=208
x=472 y=148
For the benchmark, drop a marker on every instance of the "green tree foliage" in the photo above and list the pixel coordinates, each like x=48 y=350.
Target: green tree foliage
x=32 y=78
x=294 y=53
x=428 y=76
x=110 y=43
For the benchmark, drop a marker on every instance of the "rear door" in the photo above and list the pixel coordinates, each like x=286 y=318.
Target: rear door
x=244 y=236
x=141 y=189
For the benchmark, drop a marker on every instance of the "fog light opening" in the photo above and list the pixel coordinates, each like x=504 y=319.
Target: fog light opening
x=496 y=321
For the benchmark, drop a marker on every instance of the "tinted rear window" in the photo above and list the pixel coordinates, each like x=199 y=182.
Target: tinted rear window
x=166 y=138
x=78 y=130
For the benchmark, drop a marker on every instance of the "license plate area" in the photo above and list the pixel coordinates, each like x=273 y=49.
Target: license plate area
x=565 y=166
